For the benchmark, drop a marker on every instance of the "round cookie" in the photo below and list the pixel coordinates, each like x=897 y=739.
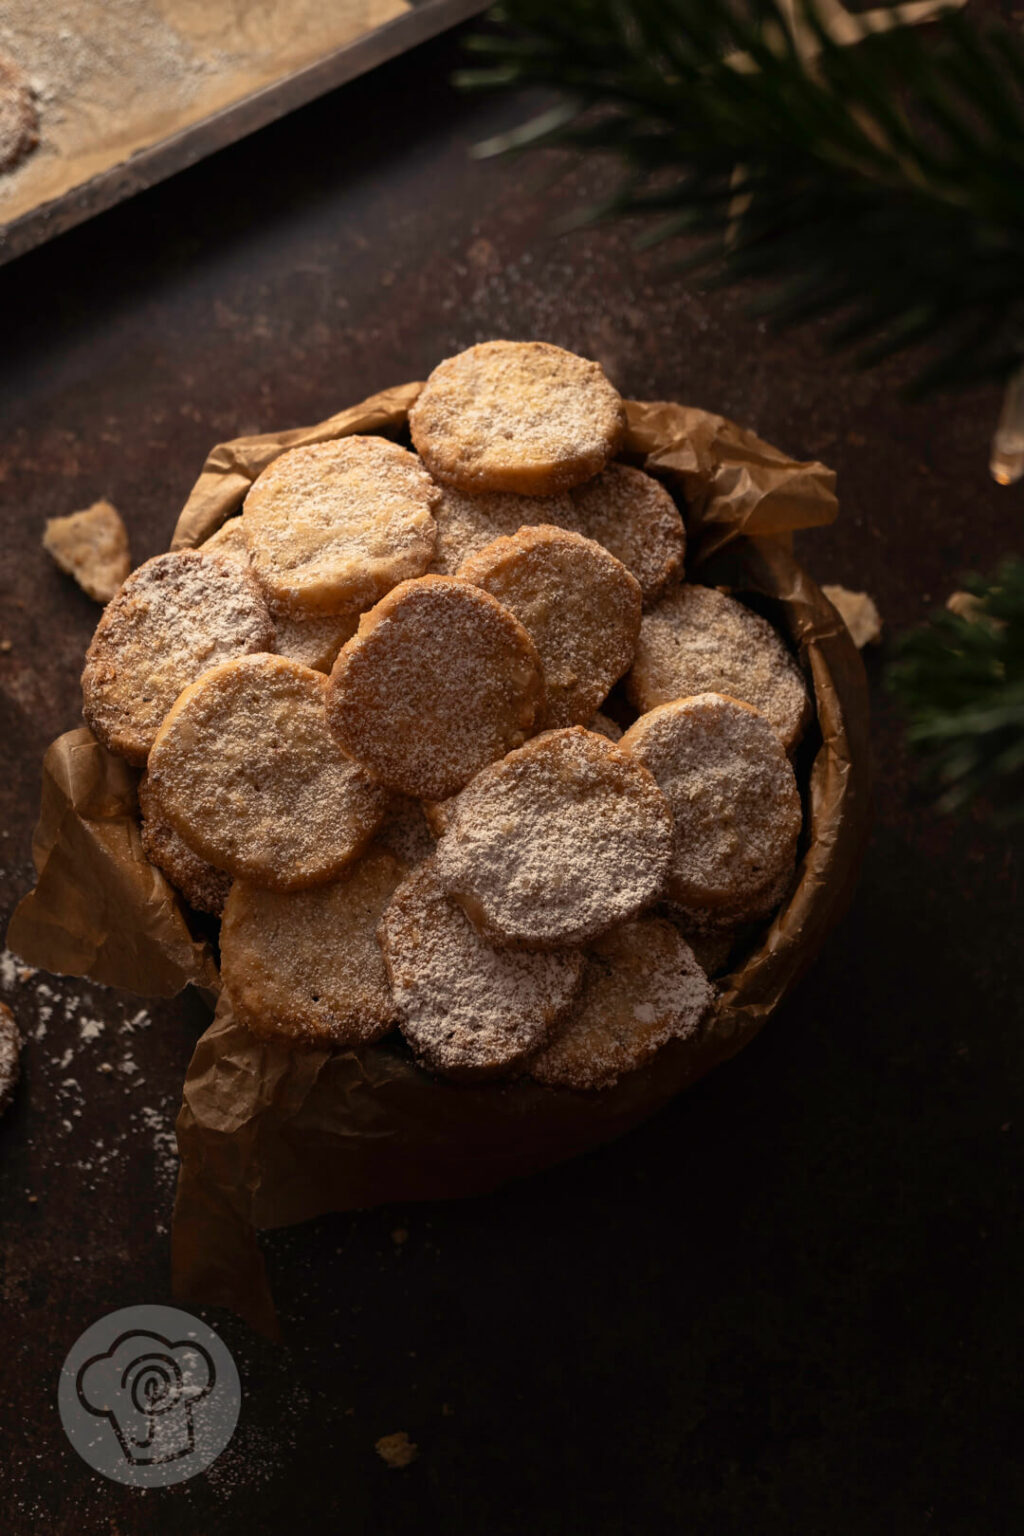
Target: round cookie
x=468 y=523
x=467 y=1009
x=642 y=987
x=579 y=604
x=557 y=842
x=202 y=886
x=333 y=526
x=306 y=965
x=439 y=680
x=19 y=120
x=519 y=416
x=311 y=642
x=246 y=771
x=697 y=640
x=734 y=797
x=10 y=1056
x=636 y=520
x=171 y=620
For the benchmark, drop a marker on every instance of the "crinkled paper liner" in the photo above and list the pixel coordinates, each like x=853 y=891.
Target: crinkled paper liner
x=270 y=1135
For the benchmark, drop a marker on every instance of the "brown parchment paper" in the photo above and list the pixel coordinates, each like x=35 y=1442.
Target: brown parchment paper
x=270 y=1136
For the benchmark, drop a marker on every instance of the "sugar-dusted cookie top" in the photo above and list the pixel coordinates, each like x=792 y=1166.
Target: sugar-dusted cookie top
x=246 y=771
x=634 y=517
x=306 y=965
x=519 y=416
x=467 y=1008
x=698 y=640
x=580 y=605
x=734 y=797
x=641 y=988
x=465 y=523
x=557 y=842
x=173 y=618
x=202 y=886
x=438 y=681
x=333 y=526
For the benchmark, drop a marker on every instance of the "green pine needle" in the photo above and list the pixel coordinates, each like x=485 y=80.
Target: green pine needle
x=885 y=179
x=961 y=682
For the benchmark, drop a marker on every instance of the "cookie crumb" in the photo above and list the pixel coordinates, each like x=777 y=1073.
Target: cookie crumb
x=858 y=612
x=397 y=1450
x=92 y=546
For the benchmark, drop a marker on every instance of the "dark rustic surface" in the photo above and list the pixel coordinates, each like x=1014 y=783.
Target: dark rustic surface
x=790 y=1303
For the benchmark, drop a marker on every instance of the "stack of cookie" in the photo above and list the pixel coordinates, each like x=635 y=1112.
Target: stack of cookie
x=369 y=711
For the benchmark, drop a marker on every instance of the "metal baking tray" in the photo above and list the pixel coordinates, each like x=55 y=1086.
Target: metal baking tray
x=131 y=91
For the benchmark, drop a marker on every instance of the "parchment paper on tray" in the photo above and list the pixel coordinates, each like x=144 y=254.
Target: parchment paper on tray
x=269 y=1135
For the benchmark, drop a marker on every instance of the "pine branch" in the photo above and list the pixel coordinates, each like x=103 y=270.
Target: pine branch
x=961 y=681
x=882 y=183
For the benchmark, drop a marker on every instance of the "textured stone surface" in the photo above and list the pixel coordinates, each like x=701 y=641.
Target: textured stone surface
x=786 y=1305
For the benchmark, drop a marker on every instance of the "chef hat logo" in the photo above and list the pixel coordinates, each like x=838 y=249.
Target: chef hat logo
x=147 y=1388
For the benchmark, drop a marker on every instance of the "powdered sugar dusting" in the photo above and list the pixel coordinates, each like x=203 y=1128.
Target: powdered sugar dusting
x=467 y=1008
x=557 y=842
x=467 y=523
x=636 y=520
x=642 y=987
x=697 y=640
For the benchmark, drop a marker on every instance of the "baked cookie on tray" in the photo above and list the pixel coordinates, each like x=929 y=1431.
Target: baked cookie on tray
x=438 y=681
x=557 y=842
x=246 y=771
x=174 y=617
x=734 y=797
x=333 y=526
x=306 y=965
x=580 y=606
x=518 y=416
x=642 y=987
x=468 y=1008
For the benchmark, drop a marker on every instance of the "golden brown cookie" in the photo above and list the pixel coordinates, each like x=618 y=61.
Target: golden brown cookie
x=635 y=518
x=519 y=416
x=246 y=771
x=557 y=842
x=92 y=546
x=333 y=526
x=579 y=604
x=466 y=1008
x=734 y=797
x=467 y=523
x=306 y=965
x=602 y=726
x=173 y=618
x=202 y=886
x=19 y=120
x=439 y=680
x=642 y=987
x=697 y=640
x=311 y=642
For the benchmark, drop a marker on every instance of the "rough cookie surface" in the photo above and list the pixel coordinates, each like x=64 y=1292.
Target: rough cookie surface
x=734 y=797
x=246 y=771
x=636 y=520
x=467 y=1008
x=557 y=842
x=467 y=523
x=92 y=546
x=697 y=640
x=311 y=642
x=174 y=617
x=439 y=680
x=202 y=886
x=19 y=120
x=333 y=526
x=579 y=604
x=642 y=987
x=518 y=416
x=306 y=964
